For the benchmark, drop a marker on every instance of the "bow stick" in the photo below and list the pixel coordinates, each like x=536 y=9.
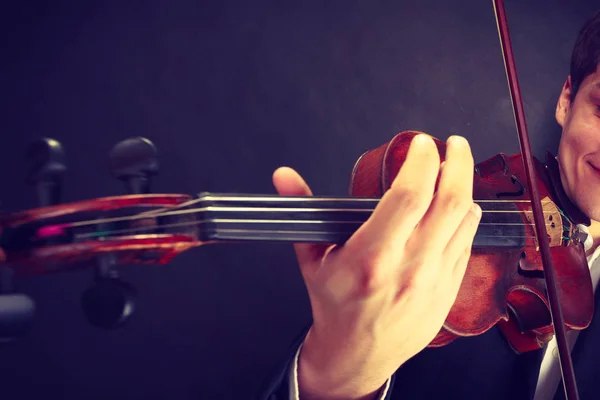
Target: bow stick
x=566 y=364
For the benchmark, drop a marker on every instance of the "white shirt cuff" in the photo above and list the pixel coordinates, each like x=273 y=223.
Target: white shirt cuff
x=293 y=380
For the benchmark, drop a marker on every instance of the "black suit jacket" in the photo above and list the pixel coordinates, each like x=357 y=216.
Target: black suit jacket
x=482 y=368
x=586 y=359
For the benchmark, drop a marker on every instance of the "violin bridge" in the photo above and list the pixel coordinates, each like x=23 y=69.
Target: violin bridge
x=554 y=223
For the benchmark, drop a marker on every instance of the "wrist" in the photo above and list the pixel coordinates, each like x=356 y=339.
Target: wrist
x=338 y=371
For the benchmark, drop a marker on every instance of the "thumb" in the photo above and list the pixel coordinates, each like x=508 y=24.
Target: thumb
x=288 y=182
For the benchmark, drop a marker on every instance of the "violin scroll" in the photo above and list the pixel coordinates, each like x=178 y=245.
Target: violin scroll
x=26 y=247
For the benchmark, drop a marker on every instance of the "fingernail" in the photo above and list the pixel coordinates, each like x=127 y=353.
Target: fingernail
x=421 y=138
x=476 y=210
x=457 y=140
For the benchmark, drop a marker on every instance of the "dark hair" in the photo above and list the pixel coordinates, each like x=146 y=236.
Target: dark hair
x=586 y=53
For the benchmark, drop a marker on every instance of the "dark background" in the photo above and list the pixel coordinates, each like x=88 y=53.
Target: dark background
x=229 y=91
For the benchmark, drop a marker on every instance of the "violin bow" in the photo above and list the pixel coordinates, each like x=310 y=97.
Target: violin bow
x=566 y=364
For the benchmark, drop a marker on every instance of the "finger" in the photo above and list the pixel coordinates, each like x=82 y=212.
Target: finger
x=288 y=182
x=404 y=204
x=461 y=243
x=454 y=196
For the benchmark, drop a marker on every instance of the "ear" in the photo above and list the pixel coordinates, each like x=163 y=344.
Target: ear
x=564 y=103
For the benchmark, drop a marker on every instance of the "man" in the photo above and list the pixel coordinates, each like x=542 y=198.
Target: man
x=381 y=298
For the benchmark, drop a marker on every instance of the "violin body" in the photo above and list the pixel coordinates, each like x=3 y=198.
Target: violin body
x=504 y=282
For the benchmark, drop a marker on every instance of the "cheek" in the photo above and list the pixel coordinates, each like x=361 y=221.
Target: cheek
x=571 y=150
x=577 y=147
x=578 y=140
x=582 y=130
x=570 y=146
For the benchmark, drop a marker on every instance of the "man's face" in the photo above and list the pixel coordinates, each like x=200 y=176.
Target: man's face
x=579 y=149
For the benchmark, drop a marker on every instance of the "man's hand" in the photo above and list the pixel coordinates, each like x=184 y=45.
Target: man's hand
x=383 y=296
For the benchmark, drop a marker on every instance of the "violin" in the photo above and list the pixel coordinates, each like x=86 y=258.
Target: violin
x=503 y=283
x=527 y=273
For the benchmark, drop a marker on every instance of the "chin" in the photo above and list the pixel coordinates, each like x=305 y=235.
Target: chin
x=588 y=203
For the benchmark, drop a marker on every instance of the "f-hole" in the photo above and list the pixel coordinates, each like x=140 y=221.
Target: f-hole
x=528 y=274
x=519 y=192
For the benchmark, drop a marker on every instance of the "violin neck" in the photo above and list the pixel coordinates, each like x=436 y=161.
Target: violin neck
x=227 y=217
x=274 y=218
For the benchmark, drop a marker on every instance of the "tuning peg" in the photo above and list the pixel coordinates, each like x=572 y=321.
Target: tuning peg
x=16 y=315
x=45 y=160
x=109 y=302
x=134 y=161
x=16 y=310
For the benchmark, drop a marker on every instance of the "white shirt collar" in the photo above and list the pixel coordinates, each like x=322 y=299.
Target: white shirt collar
x=587 y=244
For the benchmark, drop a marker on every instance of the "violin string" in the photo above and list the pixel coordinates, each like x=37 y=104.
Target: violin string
x=249 y=221
x=177 y=209
x=251 y=209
